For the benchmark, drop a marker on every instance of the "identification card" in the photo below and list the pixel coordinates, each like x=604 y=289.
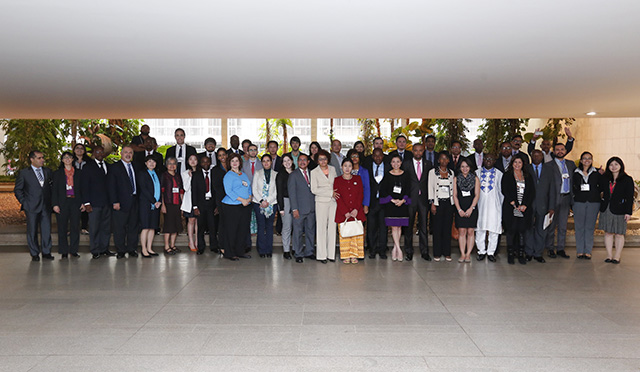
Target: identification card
x=565 y=175
x=397 y=189
x=444 y=190
x=521 y=188
x=245 y=184
x=175 y=190
x=69 y=187
x=584 y=187
x=466 y=193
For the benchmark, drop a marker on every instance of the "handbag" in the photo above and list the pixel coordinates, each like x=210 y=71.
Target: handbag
x=349 y=229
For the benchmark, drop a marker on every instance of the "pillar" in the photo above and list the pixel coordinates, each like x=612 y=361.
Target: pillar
x=224 y=133
x=314 y=129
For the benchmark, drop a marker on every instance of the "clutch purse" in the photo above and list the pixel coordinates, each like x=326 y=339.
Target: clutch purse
x=349 y=229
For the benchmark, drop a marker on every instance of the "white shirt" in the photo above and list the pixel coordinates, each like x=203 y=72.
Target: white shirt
x=133 y=172
x=204 y=173
x=104 y=165
x=378 y=178
x=479 y=159
x=212 y=155
x=36 y=170
x=308 y=178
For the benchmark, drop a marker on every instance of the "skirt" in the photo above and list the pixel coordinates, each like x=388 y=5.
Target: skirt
x=352 y=247
x=612 y=223
x=172 y=220
x=396 y=221
x=149 y=219
x=189 y=214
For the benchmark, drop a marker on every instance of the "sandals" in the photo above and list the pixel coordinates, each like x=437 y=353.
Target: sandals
x=346 y=261
x=169 y=252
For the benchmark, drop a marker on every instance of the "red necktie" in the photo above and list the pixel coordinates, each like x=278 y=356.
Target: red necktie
x=206 y=180
x=305 y=176
x=253 y=167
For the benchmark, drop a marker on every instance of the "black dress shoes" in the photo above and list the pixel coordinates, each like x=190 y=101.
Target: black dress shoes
x=299 y=260
x=408 y=257
x=64 y=255
x=481 y=257
x=552 y=254
x=529 y=257
x=108 y=253
x=269 y=255
x=232 y=258
x=563 y=254
x=323 y=261
x=76 y=255
x=540 y=259
x=120 y=255
x=383 y=256
x=311 y=257
x=48 y=256
x=491 y=258
x=133 y=254
x=35 y=258
x=215 y=250
x=522 y=260
x=372 y=256
x=200 y=251
x=286 y=255
x=426 y=257
x=246 y=256
x=263 y=255
x=96 y=256
x=359 y=259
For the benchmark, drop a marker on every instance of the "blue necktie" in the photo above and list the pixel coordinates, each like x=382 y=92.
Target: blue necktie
x=133 y=183
x=565 y=181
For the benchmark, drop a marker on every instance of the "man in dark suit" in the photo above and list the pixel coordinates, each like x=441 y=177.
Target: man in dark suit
x=33 y=191
x=560 y=192
x=504 y=159
x=401 y=146
x=378 y=143
x=235 y=144
x=455 y=156
x=417 y=171
x=209 y=151
x=95 y=195
x=203 y=196
x=545 y=146
x=543 y=202
x=430 y=152
x=150 y=146
x=123 y=196
x=272 y=149
x=376 y=228
x=516 y=145
x=303 y=209
x=477 y=158
x=180 y=151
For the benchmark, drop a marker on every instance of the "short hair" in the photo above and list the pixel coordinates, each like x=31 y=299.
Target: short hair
x=221 y=149
x=559 y=143
x=540 y=151
x=171 y=158
x=505 y=143
x=272 y=141
x=456 y=141
x=178 y=130
x=62 y=157
x=324 y=153
x=252 y=145
x=401 y=136
x=516 y=136
x=429 y=137
x=265 y=156
x=354 y=151
x=32 y=153
x=374 y=150
x=210 y=140
x=232 y=156
x=294 y=139
x=302 y=155
x=418 y=144
x=293 y=163
x=378 y=138
x=150 y=157
x=346 y=160
x=246 y=141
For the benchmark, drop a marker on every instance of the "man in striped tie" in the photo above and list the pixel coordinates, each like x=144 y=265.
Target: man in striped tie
x=123 y=194
x=33 y=191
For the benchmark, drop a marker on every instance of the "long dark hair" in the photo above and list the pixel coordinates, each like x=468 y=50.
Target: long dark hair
x=607 y=173
x=293 y=163
x=581 y=156
x=525 y=171
x=85 y=156
x=61 y=166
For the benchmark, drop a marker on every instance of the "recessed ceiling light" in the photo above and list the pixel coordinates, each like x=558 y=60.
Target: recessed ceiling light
x=591 y=113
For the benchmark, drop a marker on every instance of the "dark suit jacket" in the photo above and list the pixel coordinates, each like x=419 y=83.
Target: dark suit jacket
x=95 y=185
x=417 y=189
x=568 y=146
x=204 y=154
x=407 y=155
x=277 y=163
x=59 y=186
x=435 y=156
x=499 y=166
x=300 y=194
x=120 y=190
x=374 y=200
x=456 y=166
x=171 y=153
x=32 y=197
x=199 y=190
x=218 y=183
x=621 y=201
x=138 y=161
x=472 y=161
x=510 y=192
x=145 y=189
x=230 y=151
x=555 y=179
x=544 y=199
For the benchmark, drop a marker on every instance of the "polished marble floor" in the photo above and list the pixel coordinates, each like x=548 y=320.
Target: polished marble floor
x=201 y=313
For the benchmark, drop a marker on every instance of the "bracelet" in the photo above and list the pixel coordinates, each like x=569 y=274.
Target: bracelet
x=460 y=210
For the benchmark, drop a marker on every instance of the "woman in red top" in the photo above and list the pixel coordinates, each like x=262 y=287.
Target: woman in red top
x=349 y=206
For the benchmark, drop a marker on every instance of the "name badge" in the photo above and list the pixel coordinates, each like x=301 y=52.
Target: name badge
x=466 y=193
x=397 y=189
x=175 y=190
x=444 y=190
x=245 y=184
x=565 y=175
x=584 y=187
x=69 y=187
x=521 y=188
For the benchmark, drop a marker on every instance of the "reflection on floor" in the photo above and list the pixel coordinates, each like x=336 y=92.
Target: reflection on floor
x=202 y=313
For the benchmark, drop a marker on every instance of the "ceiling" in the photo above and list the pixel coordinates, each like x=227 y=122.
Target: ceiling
x=356 y=58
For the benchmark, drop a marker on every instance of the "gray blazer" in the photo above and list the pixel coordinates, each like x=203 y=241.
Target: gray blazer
x=544 y=199
x=555 y=180
x=300 y=195
x=246 y=168
x=337 y=164
x=33 y=197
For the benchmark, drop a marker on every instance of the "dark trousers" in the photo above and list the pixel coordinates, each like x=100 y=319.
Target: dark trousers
x=84 y=221
x=206 y=222
x=515 y=237
x=305 y=224
x=236 y=227
x=560 y=218
x=264 y=240
x=99 y=229
x=42 y=221
x=376 y=230
x=278 y=224
x=442 y=223
x=535 y=236
x=68 y=219
x=126 y=228
x=421 y=210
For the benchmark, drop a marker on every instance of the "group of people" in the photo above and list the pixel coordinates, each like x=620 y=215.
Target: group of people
x=314 y=199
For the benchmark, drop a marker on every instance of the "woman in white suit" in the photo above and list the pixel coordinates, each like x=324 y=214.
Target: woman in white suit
x=322 y=187
x=186 y=207
x=265 y=199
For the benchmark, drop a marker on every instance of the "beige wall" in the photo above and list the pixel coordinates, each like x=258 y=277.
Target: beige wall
x=604 y=138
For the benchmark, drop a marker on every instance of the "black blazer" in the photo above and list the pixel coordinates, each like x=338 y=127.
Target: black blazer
x=32 y=197
x=407 y=155
x=277 y=164
x=282 y=180
x=59 y=186
x=374 y=200
x=472 y=161
x=595 y=188
x=218 y=183
x=171 y=153
x=436 y=155
x=120 y=190
x=510 y=192
x=230 y=151
x=417 y=189
x=199 y=190
x=95 y=185
x=138 y=160
x=455 y=167
x=145 y=189
x=544 y=200
x=621 y=201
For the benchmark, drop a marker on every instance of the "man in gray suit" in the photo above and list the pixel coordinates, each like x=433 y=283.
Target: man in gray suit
x=336 y=156
x=560 y=197
x=303 y=207
x=33 y=191
x=253 y=164
x=542 y=204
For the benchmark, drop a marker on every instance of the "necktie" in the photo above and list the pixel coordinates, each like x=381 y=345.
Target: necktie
x=377 y=170
x=305 y=176
x=419 y=171
x=180 y=153
x=103 y=168
x=253 y=167
x=206 y=180
x=431 y=156
x=538 y=170
x=565 y=181
x=133 y=183
x=211 y=157
x=39 y=174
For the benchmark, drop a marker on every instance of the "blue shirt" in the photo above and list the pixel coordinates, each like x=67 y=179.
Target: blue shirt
x=156 y=187
x=235 y=186
x=364 y=176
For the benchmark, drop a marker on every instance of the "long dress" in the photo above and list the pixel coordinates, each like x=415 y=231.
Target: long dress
x=395 y=187
x=490 y=201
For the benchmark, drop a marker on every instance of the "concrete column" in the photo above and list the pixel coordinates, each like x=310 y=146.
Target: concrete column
x=224 y=133
x=404 y=122
x=314 y=129
x=3 y=170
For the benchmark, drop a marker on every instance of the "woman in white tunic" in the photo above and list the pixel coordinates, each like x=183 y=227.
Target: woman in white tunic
x=489 y=208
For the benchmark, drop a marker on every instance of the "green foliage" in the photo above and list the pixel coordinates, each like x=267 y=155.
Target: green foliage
x=448 y=130
x=112 y=134
x=495 y=131
x=4 y=178
x=367 y=133
x=552 y=130
x=26 y=135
